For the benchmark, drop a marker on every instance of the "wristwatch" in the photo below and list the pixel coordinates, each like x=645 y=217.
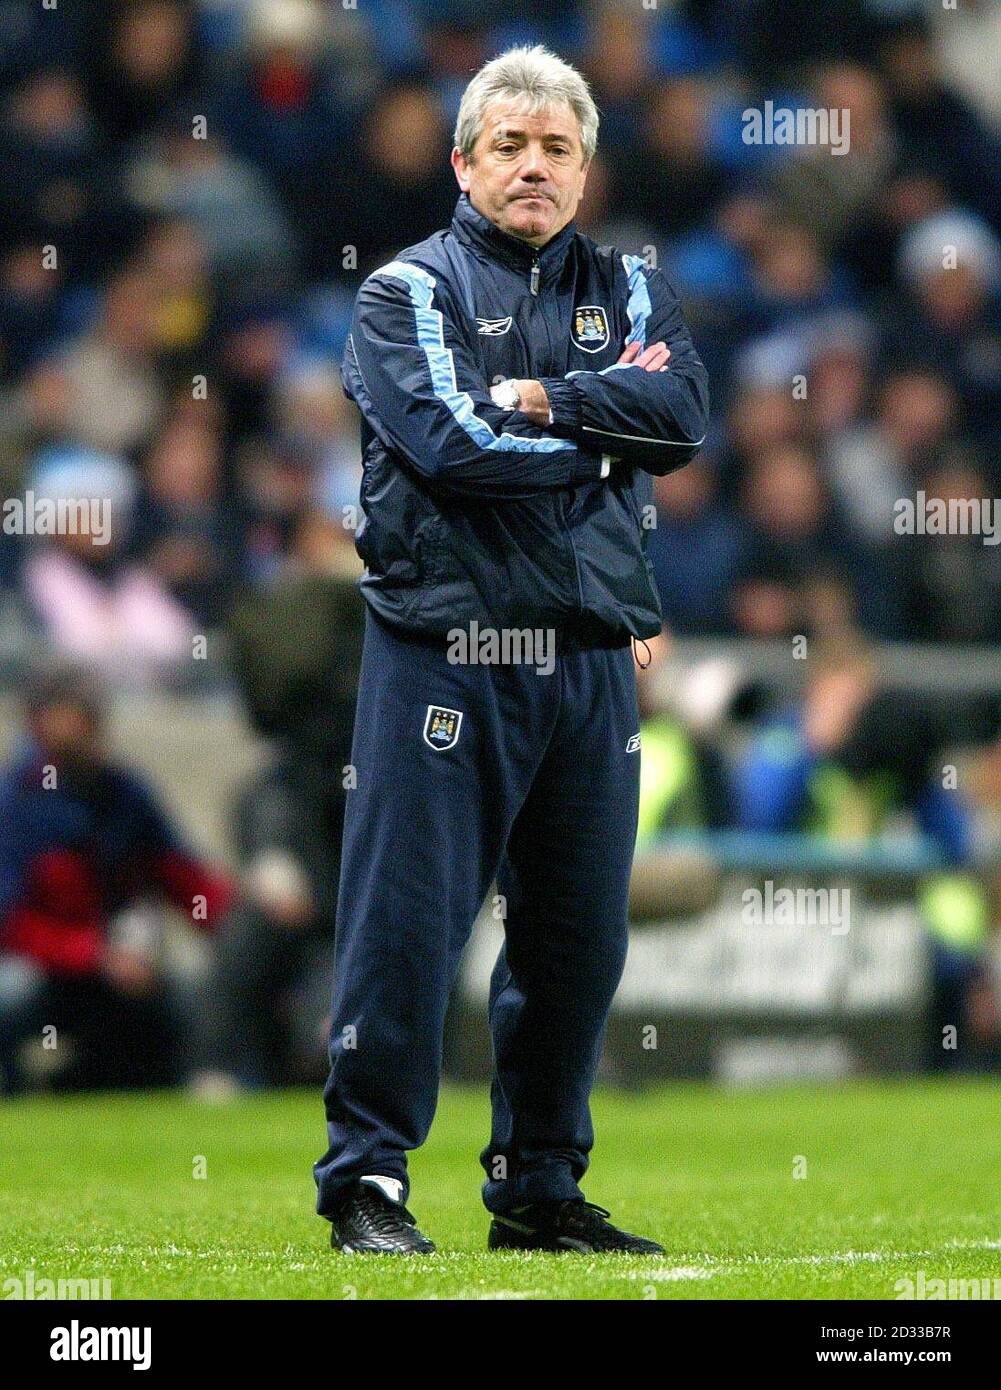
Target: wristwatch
x=505 y=394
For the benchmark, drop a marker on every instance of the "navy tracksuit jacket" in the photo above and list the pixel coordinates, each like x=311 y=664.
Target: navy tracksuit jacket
x=469 y=773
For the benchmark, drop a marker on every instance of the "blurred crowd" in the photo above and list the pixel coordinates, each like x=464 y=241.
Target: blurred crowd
x=191 y=192
x=182 y=337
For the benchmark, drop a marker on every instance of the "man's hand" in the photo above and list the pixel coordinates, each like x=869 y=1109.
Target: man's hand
x=128 y=972
x=533 y=401
x=278 y=884
x=651 y=359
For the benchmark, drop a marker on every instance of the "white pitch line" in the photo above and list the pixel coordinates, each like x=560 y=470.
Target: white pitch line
x=717 y=1267
x=503 y=1294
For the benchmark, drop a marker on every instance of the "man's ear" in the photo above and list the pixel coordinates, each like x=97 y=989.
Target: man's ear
x=461 y=166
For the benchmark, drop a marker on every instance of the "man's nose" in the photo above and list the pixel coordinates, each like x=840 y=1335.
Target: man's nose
x=534 y=168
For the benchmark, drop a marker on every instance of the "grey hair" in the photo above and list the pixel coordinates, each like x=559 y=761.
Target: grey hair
x=541 y=78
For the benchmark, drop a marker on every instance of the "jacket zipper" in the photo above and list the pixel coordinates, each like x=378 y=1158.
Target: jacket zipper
x=533 y=285
x=573 y=553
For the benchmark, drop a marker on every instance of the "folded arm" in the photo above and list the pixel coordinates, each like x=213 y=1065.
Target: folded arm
x=655 y=420
x=419 y=387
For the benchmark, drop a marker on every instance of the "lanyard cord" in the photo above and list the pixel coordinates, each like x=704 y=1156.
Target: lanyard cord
x=641 y=664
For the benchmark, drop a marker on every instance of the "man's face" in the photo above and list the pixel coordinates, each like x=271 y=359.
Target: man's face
x=68 y=734
x=527 y=172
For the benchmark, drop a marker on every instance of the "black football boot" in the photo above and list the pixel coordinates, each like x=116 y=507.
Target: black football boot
x=569 y=1225
x=368 y=1222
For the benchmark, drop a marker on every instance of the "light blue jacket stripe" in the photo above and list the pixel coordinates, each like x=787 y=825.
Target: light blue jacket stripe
x=638 y=307
x=431 y=338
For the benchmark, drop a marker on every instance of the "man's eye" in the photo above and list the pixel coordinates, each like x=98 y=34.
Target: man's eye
x=558 y=150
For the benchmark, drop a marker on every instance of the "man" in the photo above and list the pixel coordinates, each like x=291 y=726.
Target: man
x=510 y=506
x=84 y=848
x=296 y=653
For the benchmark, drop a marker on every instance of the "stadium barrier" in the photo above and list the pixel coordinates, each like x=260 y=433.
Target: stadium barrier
x=756 y=958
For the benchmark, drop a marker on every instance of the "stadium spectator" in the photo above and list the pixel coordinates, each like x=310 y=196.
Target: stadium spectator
x=697 y=548
x=949 y=319
x=935 y=122
x=175 y=256
x=841 y=764
x=29 y=307
x=142 y=57
x=671 y=176
x=847 y=755
x=115 y=396
x=87 y=854
x=289 y=99
x=954 y=579
x=685 y=783
x=866 y=472
x=251 y=246
x=618 y=62
x=296 y=652
x=399 y=163
x=316 y=423
x=92 y=601
x=58 y=184
x=182 y=530
x=830 y=193
x=795 y=528
x=967 y=40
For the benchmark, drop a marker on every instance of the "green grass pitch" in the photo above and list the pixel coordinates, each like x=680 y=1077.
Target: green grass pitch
x=899 y=1177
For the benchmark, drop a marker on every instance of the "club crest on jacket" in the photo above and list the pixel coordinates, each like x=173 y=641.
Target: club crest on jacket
x=589 y=330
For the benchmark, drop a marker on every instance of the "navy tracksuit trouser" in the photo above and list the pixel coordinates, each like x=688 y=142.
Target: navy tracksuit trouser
x=540 y=790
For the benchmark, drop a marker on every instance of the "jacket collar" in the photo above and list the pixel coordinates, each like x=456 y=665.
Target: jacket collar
x=477 y=231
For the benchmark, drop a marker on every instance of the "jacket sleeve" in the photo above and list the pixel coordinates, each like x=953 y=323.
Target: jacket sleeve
x=423 y=394
x=188 y=883
x=653 y=420
x=181 y=876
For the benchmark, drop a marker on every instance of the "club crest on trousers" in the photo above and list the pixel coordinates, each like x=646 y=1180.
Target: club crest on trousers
x=441 y=727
